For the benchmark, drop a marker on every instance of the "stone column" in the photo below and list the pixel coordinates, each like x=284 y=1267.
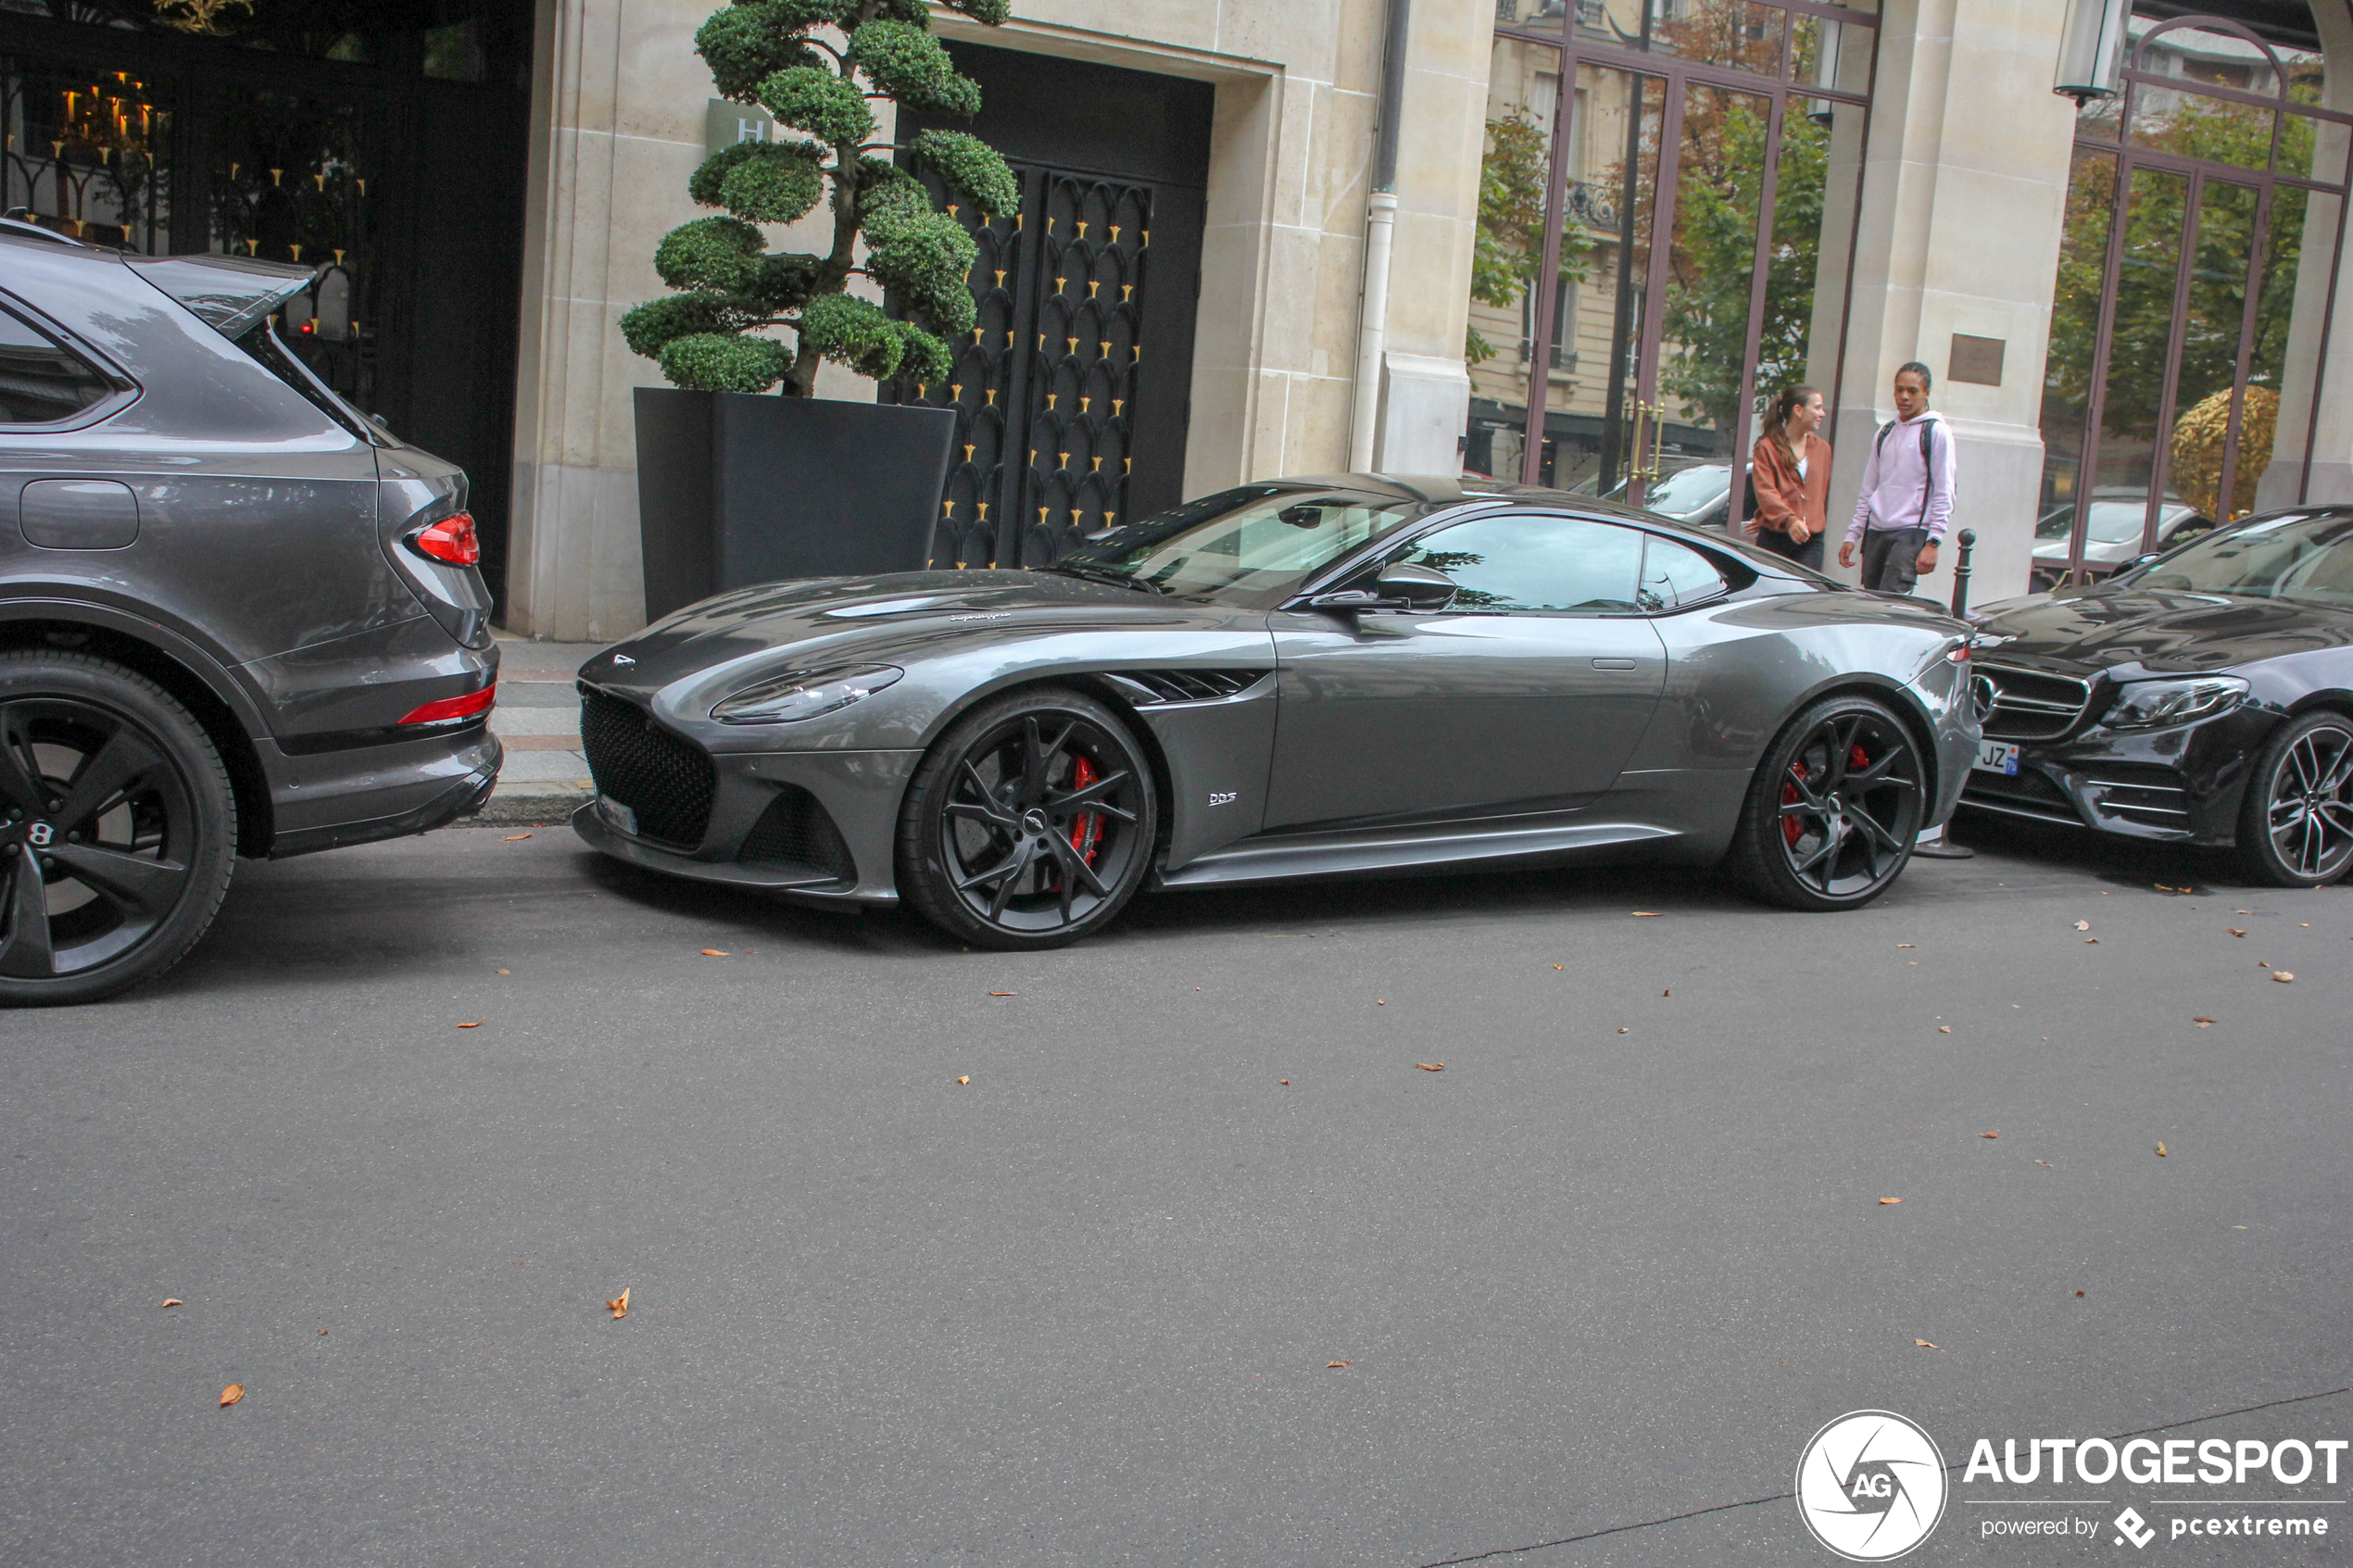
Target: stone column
x=1964 y=201
x=2331 y=476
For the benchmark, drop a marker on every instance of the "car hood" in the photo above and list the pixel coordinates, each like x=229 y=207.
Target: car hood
x=891 y=618
x=2161 y=634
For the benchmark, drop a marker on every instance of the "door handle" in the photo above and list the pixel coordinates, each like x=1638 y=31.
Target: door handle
x=1613 y=664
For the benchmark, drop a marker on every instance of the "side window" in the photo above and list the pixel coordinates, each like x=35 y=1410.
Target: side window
x=41 y=382
x=1536 y=564
x=1675 y=575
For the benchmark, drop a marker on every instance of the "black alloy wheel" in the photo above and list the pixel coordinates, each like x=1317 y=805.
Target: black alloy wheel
x=2296 y=827
x=118 y=829
x=1030 y=823
x=1833 y=812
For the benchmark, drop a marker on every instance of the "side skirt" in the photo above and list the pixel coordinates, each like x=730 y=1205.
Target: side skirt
x=1492 y=844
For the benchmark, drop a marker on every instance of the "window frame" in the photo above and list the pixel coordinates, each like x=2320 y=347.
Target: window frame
x=124 y=390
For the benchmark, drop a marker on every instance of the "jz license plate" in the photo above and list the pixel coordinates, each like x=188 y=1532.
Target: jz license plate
x=624 y=819
x=1997 y=757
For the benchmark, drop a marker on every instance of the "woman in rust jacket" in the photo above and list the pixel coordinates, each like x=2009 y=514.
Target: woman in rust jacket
x=1792 y=478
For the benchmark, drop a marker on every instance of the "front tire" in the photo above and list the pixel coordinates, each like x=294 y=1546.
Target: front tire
x=2296 y=828
x=118 y=829
x=1030 y=823
x=1834 y=808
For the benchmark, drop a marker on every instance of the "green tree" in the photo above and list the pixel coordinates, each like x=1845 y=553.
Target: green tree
x=710 y=335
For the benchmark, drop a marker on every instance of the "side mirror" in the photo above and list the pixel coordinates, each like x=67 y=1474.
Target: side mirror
x=1416 y=587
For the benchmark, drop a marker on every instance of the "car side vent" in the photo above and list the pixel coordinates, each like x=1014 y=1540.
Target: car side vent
x=1152 y=687
x=798 y=834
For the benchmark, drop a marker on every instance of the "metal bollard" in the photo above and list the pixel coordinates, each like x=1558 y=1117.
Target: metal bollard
x=1960 y=571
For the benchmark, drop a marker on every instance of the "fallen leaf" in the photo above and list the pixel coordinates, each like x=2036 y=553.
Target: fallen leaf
x=1431 y=1066
x=965 y=1079
x=2163 y=888
x=1380 y=1001
x=2235 y=931
x=1906 y=944
x=2079 y=1293
x=1623 y=1031
x=517 y=838
x=2202 y=1022
x=2090 y=941
x=1646 y=914
x=619 y=1305
x=502 y=972
x=2160 y=1150
x=715 y=953
x=323 y=1334
x=2083 y=925
x=2282 y=975
x=1891 y=1200
x=1285 y=1081
x=173 y=1301
x=1926 y=1345
x=2242 y=911
x=1016 y=992
x=1667 y=993
x=1988 y=1134
x=1944 y=1029
x=1556 y=966
x=2047 y=1165
x=2262 y=964
x=475 y=1025
x=1329 y=1365
x=232 y=1394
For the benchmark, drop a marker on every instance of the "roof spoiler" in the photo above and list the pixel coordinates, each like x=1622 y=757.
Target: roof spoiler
x=230 y=293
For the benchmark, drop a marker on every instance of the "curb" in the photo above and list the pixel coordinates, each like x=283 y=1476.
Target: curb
x=533 y=806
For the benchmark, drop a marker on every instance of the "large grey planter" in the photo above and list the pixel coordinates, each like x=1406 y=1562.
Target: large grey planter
x=736 y=489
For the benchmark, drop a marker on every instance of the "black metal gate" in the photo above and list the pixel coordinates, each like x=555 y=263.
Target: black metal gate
x=1071 y=392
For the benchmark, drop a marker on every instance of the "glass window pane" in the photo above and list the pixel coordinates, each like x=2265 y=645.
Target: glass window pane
x=2194 y=125
x=1704 y=337
x=1833 y=54
x=1522 y=89
x=2075 y=319
x=1740 y=34
x=2312 y=148
x=2218 y=58
x=88 y=152
x=1675 y=575
x=40 y=380
x=1536 y=564
x=2209 y=331
x=2150 y=263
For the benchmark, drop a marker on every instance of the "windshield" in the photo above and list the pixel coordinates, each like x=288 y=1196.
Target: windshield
x=2297 y=557
x=2112 y=522
x=1258 y=538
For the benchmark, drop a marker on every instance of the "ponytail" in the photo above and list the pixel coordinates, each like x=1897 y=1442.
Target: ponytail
x=1777 y=414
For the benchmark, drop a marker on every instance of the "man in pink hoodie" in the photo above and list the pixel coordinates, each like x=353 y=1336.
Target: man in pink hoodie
x=1907 y=492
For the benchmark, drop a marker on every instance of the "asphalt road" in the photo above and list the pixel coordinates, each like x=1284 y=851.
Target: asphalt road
x=1610 y=1268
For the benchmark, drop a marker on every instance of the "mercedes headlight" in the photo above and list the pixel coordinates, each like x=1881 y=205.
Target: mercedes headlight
x=2150 y=705
x=804 y=694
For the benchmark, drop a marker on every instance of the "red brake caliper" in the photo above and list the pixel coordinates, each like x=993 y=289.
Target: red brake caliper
x=1086 y=828
x=1790 y=826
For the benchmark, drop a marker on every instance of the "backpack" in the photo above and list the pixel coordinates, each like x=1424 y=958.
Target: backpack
x=1928 y=461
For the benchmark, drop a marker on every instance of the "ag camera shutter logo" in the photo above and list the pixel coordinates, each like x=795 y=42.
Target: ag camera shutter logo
x=1870 y=1486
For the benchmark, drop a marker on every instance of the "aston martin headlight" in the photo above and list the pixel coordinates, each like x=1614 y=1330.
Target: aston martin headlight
x=2152 y=705
x=804 y=694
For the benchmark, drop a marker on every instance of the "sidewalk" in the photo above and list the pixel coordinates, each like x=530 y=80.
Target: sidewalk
x=545 y=778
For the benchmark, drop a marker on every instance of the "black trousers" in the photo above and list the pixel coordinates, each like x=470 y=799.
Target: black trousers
x=1807 y=554
x=1891 y=558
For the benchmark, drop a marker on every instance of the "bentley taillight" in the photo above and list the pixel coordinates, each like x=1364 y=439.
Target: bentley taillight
x=451 y=541
x=450 y=707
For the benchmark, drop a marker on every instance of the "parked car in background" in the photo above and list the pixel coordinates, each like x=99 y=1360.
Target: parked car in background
x=2205 y=698
x=1697 y=495
x=1301 y=678
x=2112 y=534
x=237 y=617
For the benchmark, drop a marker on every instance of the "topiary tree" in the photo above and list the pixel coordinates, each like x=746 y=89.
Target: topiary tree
x=712 y=335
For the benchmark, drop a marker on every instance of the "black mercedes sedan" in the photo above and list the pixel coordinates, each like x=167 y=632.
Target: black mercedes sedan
x=2202 y=697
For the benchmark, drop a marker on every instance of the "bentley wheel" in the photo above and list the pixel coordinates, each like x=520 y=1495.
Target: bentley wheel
x=2296 y=827
x=118 y=829
x=1030 y=823
x=1832 y=813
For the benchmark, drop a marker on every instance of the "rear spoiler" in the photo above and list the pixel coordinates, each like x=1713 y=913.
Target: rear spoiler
x=231 y=293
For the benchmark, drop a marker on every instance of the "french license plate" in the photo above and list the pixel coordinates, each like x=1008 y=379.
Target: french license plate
x=1997 y=757
x=622 y=817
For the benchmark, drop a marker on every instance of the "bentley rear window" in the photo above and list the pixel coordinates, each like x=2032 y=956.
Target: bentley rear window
x=42 y=382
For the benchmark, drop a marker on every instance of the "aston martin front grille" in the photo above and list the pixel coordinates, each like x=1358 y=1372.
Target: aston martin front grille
x=798 y=834
x=2028 y=704
x=666 y=781
x=1154 y=686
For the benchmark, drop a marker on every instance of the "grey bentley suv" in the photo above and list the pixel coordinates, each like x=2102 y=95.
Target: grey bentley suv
x=236 y=616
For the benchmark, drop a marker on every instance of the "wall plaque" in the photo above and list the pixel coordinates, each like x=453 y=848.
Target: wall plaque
x=1976 y=359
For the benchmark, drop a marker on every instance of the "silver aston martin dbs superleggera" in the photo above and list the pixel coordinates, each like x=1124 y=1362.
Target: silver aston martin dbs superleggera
x=1304 y=677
